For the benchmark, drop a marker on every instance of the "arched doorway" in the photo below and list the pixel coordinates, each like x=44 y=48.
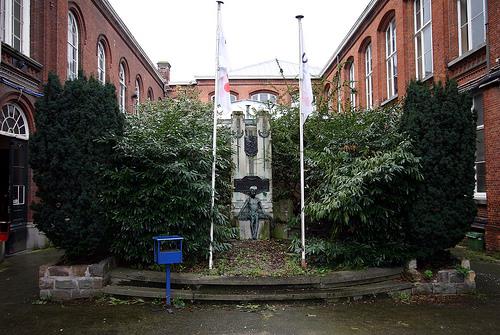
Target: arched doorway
x=14 y=135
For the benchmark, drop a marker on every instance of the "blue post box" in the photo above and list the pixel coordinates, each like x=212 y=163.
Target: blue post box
x=168 y=250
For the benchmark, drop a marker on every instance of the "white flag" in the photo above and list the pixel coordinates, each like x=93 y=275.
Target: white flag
x=306 y=94
x=223 y=96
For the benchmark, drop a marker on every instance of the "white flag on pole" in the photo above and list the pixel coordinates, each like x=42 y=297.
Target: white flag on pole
x=224 y=92
x=306 y=94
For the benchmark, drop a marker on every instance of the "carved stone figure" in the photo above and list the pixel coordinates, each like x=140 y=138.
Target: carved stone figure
x=252 y=210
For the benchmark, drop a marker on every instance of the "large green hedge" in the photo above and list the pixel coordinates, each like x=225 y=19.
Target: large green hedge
x=161 y=181
x=68 y=154
x=442 y=128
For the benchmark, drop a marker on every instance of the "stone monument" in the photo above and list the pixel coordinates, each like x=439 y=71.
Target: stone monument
x=252 y=176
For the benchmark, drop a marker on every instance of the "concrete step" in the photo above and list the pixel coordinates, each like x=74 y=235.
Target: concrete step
x=220 y=294
x=334 y=279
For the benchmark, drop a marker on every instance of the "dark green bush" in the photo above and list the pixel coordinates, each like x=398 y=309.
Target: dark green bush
x=442 y=128
x=161 y=181
x=68 y=154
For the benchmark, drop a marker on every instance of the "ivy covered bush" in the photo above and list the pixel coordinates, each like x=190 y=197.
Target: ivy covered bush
x=72 y=146
x=160 y=182
x=360 y=175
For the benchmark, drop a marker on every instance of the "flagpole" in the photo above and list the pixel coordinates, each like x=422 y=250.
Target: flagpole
x=301 y=136
x=214 y=137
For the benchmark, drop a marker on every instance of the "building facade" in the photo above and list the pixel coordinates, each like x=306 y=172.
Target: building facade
x=70 y=39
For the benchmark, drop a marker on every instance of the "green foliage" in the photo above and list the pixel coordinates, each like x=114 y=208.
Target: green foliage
x=360 y=174
x=161 y=181
x=462 y=270
x=68 y=153
x=428 y=274
x=442 y=128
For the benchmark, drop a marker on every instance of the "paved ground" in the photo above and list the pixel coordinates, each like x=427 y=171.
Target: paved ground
x=19 y=313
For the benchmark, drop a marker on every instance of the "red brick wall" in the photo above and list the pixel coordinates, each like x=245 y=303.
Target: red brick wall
x=49 y=44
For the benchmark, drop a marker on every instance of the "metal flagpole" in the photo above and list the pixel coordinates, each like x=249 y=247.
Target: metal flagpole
x=301 y=136
x=214 y=136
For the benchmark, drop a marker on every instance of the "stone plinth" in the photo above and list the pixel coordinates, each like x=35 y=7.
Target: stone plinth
x=264 y=232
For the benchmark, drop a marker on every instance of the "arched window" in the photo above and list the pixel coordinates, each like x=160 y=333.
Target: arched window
x=13 y=122
x=352 y=85
x=123 y=88
x=101 y=63
x=368 y=76
x=423 y=38
x=150 y=94
x=264 y=97
x=73 y=40
x=137 y=91
x=391 y=60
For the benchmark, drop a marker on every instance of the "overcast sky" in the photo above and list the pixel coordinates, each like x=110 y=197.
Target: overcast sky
x=182 y=32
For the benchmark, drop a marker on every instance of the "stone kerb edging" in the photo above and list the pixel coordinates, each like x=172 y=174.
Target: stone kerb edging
x=448 y=281
x=65 y=282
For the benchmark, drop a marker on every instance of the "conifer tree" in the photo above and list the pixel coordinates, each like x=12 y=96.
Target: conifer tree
x=71 y=147
x=442 y=128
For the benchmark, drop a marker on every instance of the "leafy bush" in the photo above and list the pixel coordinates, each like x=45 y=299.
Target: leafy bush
x=67 y=155
x=360 y=173
x=442 y=128
x=161 y=181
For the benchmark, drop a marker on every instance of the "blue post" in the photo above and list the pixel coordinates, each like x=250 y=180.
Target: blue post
x=168 y=284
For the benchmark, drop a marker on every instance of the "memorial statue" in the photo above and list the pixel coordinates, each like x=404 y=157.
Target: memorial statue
x=252 y=210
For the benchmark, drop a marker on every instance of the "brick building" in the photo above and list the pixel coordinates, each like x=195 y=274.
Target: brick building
x=68 y=38
x=395 y=41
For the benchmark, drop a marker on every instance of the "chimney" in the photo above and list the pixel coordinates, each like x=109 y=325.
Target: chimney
x=164 y=69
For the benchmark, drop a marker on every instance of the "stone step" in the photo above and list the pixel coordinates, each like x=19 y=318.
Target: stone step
x=222 y=295
x=334 y=279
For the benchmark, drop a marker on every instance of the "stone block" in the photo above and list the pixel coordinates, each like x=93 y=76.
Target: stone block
x=65 y=284
x=61 y=294
x=464 y=288
x=97 y=283
x=79 y=270
x=97 y=270
x=471 y=276
x=444 y=288
x=45 y=294
x=455 y=277
x=88 y=293
x=263 y=233
x=443 y=276
x=85 y=283
x=412 y=265
x=465 y=263
x=43 y=271
x=59 y=271
x=46 y=283
x=470 y=285
x=422 y=288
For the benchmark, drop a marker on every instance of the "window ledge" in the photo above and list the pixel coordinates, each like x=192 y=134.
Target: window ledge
x=480 y=198
x=385 y=102
x=429 y=77
x=466 y=54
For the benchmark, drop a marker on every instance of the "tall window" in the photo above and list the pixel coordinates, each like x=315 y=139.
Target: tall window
x=123 y=89
x=137 y=94
x=101 y=63
x=477 y=105
x=72 y=47
x=471 y=20
x=368 y=76
x=264 y=97
x=15 y=27
x=423 y=38
x=150 y=94
x=391 y=60
x=352 y=85
x=339 y=97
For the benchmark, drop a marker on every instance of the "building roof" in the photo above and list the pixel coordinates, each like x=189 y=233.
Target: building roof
x=270 y=69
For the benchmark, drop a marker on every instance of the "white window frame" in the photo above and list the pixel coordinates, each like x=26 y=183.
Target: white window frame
x=469 y=26
x=264 y=97
x=478 y=195
x=7 y=26
x=73 y=46
x=122 y=99
x=368 y=76
x=101 y=62
x=391 y=59
x=424 y=26
x=18 y=126
x=352 y=85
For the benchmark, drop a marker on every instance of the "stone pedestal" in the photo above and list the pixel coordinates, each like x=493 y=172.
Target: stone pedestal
x=264 y=232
